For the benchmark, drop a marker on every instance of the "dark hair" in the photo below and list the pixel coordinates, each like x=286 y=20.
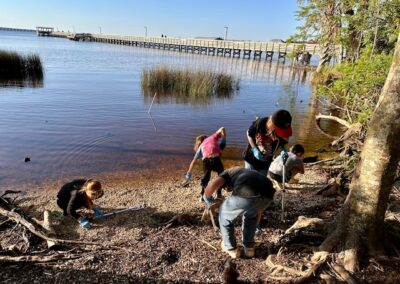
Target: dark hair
x=297 y=148
x=197 y=142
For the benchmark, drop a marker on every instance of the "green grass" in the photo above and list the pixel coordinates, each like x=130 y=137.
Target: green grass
x=188 y=83
x=14 y=66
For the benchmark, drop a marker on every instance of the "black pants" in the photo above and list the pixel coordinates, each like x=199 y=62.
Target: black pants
x=209 y=165
x=63 y=205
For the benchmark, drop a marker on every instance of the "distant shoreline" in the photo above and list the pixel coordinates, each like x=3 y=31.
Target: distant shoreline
x=16 y=29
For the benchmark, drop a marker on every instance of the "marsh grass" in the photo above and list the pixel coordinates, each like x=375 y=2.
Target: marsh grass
x=14 y=66
x=188 y=83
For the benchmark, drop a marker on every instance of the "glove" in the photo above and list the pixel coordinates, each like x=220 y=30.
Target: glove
x=284 y=155
x=188 y=175
x=98 y=213
x=208 y=200
x=257 y=154
x=84 y=223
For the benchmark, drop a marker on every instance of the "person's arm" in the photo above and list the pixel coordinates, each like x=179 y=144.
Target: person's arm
x=213 y=186
x=191 y=166
x=222 y=132
x=222 y=138
x=250 y=140
x=196 y=157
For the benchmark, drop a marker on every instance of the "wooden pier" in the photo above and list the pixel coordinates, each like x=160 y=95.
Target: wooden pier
x=44 y=31
x=256 y=50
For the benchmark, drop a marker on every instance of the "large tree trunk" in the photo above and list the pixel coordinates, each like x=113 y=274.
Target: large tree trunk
x=329 y=32
x=359 y=225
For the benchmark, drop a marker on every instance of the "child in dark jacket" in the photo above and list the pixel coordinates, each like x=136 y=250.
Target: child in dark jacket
x=78 y=194
x=209 y=150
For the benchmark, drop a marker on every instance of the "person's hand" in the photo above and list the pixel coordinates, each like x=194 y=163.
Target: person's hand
x=284 y=155
x=256 y=153
x=208 y=200
x=188 y=176
x=98 y=213
x=84 y=223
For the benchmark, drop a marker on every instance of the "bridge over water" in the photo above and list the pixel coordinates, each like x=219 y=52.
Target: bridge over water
x=234 y=49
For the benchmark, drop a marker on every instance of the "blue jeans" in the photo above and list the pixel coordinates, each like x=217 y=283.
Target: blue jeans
x=230 y=209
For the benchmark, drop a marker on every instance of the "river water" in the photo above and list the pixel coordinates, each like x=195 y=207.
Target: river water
x=90 y=115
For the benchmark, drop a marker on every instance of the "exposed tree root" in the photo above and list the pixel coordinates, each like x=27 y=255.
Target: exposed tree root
x=334 y=187
x=342 y=274
x=308 y=223
x=298 y=276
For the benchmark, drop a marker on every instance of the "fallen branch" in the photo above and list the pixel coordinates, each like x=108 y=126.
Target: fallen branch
x=320 y=162
x=48 y=226
x=38 y=231
x=203 y=241
x=10 y=192
x=334 y=118
x=39 y=258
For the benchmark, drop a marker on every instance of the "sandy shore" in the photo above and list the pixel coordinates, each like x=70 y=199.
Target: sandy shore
x=135 y=248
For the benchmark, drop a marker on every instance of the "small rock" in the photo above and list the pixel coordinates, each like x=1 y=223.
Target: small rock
x=27 y=159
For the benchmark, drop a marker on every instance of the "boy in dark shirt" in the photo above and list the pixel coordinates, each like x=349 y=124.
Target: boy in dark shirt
x=78 y=194
x=251 y=192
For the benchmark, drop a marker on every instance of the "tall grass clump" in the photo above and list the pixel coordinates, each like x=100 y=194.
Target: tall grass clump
x=14 y=66
x=188 y=83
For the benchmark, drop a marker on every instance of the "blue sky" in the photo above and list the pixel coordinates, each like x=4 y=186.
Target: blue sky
x=248 y=19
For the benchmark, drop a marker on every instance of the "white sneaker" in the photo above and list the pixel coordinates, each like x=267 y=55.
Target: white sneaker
x=233 y=253
x=249 y=252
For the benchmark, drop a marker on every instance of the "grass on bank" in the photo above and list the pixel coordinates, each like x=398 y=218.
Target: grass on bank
x=14 y=66
x=188 y=83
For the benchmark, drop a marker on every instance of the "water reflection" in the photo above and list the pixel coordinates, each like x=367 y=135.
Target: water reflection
x=168 y=98
x=28 y=83
x=92 y=116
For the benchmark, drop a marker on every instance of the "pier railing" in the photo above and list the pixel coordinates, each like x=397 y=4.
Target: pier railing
x=244 y=49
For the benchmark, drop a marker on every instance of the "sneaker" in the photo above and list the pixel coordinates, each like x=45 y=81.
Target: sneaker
x=233 y=253
x=249 y=251
x=201 y=199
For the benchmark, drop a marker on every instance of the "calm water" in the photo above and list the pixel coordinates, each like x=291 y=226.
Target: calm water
x=90 y=115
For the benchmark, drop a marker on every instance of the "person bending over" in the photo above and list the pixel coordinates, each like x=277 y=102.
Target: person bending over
x=251 y=192
x=78 y=194
x=293 y=165
x=209 y=150
x=265 y=136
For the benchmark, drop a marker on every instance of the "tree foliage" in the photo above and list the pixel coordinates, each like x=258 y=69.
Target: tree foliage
x=354 y=24
x=356 y=86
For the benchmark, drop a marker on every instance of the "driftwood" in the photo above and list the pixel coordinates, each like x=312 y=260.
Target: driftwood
x=48 y=226
x=308 y=223
x=334 y=118
x=38 y=230
x=35 y=258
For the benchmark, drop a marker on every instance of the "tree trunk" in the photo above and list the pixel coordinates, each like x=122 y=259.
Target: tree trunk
x=329 y=31
x=360 y=222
